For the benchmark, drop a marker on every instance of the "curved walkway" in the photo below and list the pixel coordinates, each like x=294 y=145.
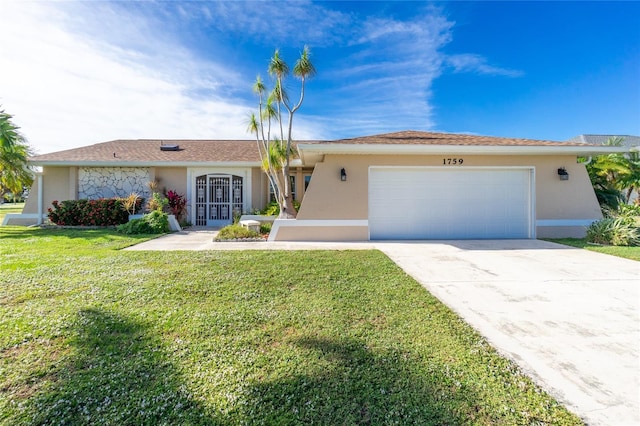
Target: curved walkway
x=569 y=317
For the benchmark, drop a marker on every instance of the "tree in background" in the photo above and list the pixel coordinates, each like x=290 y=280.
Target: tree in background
x=275 y=145
x=14 y=151
x=615 y=176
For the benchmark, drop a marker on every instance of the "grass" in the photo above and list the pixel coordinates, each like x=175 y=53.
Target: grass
x=7 y=208
x=632 y=253
x=93 y=335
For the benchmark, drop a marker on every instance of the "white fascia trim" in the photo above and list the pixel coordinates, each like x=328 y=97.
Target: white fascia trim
x=565 y=222
x=145 y=164
x=457 y=168
x=291 y=223
x=456 y=149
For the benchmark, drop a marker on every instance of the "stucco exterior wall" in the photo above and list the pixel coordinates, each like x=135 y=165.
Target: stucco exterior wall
x=260 y=189
x=283 y=232
x=330 y=198
x=566 y=202
x=57 y=184
x=172 y=179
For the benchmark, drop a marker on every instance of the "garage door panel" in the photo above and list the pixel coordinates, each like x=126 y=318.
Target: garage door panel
x=432 y=203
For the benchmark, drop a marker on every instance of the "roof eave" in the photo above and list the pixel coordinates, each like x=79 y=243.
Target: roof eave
x=313 y=150
x=145 y=163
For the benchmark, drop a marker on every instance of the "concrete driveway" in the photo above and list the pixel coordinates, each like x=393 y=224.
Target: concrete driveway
x=570 y=318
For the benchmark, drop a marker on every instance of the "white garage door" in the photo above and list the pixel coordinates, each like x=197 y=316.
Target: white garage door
x=445 y=203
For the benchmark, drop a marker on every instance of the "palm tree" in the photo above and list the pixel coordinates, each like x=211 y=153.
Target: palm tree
x=629 y=177
x=14 y=151
x=275 y=152
x=615 y=176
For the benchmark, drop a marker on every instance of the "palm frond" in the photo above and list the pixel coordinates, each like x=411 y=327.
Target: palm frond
x=303 y=67
x=278 y=68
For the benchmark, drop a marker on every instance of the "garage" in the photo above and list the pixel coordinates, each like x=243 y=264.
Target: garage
x=451 y=203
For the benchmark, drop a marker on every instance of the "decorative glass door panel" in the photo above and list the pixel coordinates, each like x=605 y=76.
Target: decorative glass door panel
x=217 y=199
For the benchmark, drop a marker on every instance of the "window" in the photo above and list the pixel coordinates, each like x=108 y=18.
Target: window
x=292 y=179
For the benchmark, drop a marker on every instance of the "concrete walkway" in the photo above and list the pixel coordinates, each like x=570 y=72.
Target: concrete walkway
x=569 y=317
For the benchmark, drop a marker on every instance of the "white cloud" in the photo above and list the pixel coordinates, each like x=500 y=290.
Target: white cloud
x=386 y=82
x=468 y=62
x=81 y=73
x=293 y=22
x=66 y=87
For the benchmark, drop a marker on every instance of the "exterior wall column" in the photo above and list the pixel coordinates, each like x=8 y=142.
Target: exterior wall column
x=40 y=198
x=73 y=183
x=299 y=184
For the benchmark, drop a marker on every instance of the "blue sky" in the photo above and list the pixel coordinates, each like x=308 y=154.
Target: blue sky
x=77 y=73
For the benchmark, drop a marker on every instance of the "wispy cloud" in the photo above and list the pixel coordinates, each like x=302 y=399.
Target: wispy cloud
x=294 y=22
x=475 y=63
x=387 y=79
x=82 y=73
x=85 y=74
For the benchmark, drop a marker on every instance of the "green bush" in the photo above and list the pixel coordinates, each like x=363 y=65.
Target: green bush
x=265 y=228
x=155 y=222
x=101 y=212
x=234 y=232
x=618 y=231
x=273 y=209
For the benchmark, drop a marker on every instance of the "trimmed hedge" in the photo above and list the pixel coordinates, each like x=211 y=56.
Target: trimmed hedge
x=101 y=212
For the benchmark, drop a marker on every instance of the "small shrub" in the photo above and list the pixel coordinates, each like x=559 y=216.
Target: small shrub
x=237 y=215
x=616 y=231
x=177 y=204
x=236 y=232
x=132 y=203
x=265 y=228
x=273 y=209
x=157 y=202
x=155 y=222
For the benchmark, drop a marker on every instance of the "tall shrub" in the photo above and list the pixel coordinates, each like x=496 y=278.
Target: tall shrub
x=177 y=204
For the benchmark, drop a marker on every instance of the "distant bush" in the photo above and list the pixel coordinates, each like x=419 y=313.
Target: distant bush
x=155 y=222
x=101 y=212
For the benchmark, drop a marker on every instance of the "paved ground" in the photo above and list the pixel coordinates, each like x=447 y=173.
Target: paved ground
x=569 y=317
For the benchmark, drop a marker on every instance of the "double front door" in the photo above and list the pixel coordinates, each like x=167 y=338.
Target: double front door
x=218 y=198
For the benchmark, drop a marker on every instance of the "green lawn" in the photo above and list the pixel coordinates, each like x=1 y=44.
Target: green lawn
x=632 y=253
x=7 y=208
x=93 y=335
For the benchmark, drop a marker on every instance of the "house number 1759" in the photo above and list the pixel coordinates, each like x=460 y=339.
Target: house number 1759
x=452 y=161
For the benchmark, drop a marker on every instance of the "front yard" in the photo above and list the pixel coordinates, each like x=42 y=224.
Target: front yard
x=627 y=252
x=93 y=335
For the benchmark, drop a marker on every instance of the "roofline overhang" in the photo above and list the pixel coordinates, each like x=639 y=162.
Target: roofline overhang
x=312 y=151
x=145 y=163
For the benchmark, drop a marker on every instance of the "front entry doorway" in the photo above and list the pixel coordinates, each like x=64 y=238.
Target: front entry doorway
x=218 y=199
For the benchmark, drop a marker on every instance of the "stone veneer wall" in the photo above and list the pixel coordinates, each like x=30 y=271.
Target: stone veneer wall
x=109 y=182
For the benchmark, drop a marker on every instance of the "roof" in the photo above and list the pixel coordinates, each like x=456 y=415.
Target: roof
x=147 y=152
x=412 y=142
x=412 y=137
x=628 y=141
